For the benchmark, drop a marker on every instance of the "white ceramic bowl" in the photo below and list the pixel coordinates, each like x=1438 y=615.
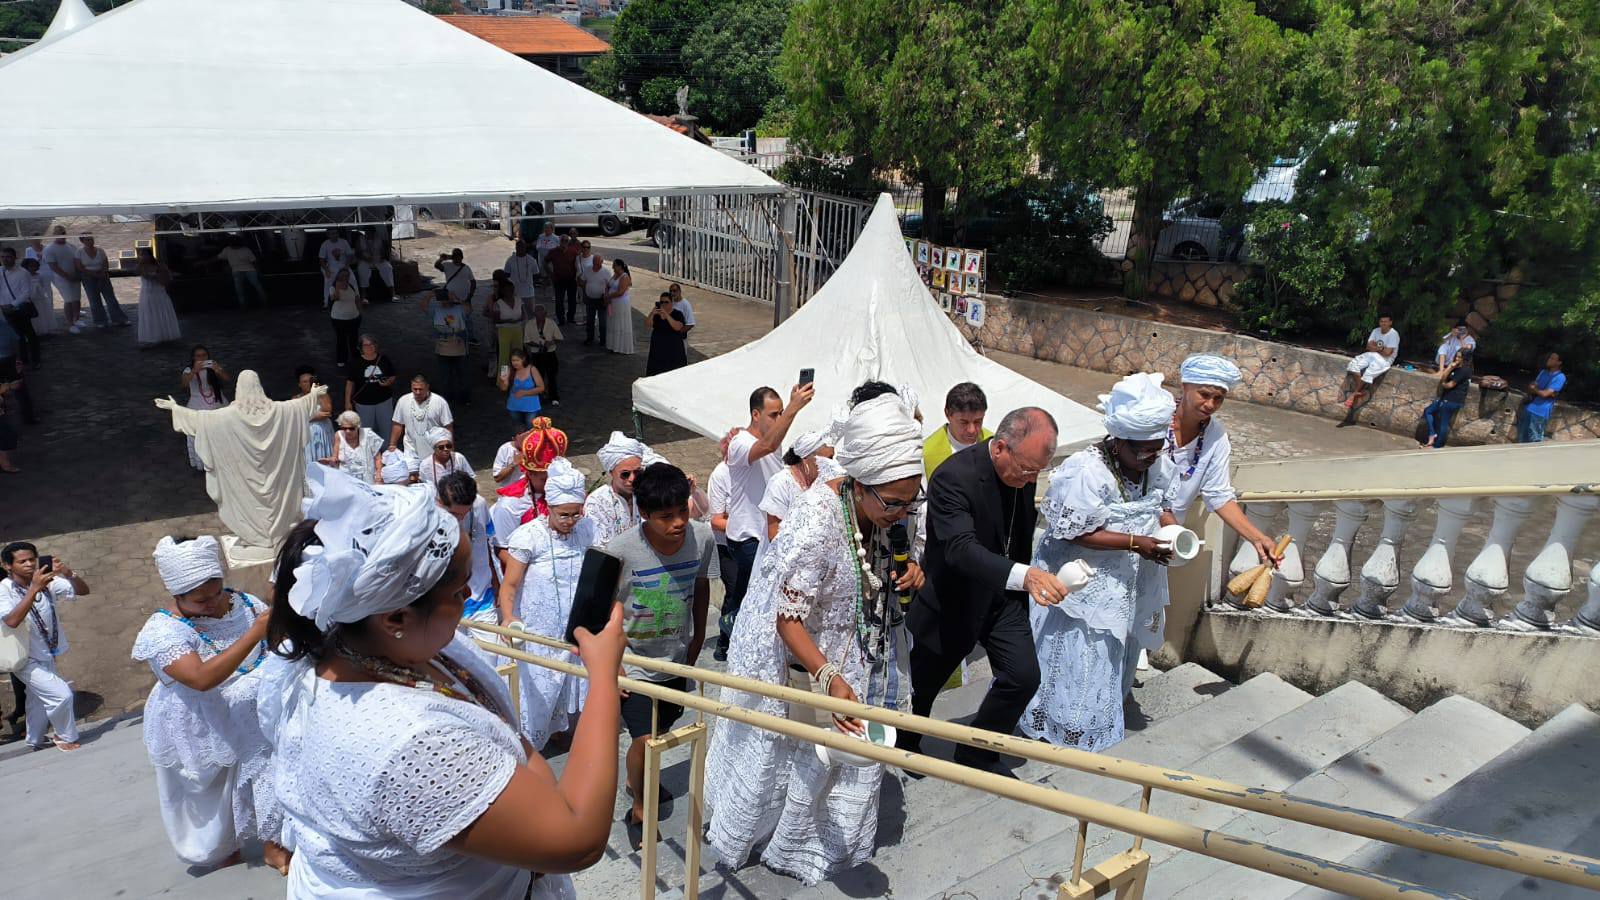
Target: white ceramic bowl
x=1185 y=544
x=882 y=735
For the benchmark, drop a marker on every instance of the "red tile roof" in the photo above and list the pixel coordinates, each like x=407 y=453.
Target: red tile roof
x=531 y=35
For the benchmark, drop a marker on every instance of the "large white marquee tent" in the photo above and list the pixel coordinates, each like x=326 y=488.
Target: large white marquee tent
x=874 y=319
x=166 y=106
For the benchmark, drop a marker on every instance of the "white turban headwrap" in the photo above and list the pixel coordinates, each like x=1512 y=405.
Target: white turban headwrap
x=1205 y=368
x=188 y=565
x=564 y=484
x=619 y=448
x=381 y=549
x=438 y=436
x=398 y=466
x=880 y=443
x=809 y=443
x=1138 y=408
x=908 y=398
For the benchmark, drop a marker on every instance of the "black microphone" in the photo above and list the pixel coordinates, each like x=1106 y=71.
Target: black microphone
x=900 y=550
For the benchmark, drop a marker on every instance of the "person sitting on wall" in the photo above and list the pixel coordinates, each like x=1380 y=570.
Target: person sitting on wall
x=1363 y=372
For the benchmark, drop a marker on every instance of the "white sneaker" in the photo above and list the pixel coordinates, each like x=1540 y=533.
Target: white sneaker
x=75 y=330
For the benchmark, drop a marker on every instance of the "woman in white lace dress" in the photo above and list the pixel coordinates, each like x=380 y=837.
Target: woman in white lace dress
x=158 y=321
x=213 y=765
x=400 y=768
x=355 y=449
x=544 y=559
x=822 y=601
x=1104 y=504
x=619 y=309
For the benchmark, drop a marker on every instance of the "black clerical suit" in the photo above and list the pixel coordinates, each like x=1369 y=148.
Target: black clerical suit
x=978 y=529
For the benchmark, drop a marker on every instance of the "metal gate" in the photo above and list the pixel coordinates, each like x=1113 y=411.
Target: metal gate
x=736 y=243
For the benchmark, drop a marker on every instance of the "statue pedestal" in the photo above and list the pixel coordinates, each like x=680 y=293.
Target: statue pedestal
x=240 y=555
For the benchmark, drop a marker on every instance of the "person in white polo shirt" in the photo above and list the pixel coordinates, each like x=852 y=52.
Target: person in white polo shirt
x=753 y=455
x=416 y=416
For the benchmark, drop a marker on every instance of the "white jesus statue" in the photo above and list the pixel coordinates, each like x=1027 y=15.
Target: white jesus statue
x=254 y=454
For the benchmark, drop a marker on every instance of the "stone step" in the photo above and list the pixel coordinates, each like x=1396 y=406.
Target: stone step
x=1540 y=792
x=1401 y=769
x=1273 y=754
x=908 y=807
x=1000 y=840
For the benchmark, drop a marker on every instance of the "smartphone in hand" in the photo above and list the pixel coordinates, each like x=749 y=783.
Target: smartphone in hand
x=807 y=376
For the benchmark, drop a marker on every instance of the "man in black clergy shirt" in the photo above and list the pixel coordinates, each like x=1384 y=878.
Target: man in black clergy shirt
x=980 y=540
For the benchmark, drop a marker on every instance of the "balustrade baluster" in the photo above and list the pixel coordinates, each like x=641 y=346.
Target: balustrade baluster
x=1291 y=572
x=1431 y=577
x=1265 y=515
x=1380 y=576
x=1332 y=574
x=1549 y=577
x=1588 y=618
x=1487 y=578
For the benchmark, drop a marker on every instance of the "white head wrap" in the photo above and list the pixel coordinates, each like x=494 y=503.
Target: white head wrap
x=880 y=443
x=651 y=457
x=188 y=565
x=1138 y=408
x=438 y=436
x=908 y=398
x=1205 y=368
x=564 y=483
x=381 y=549
x=398 y=466
x=809 y=443
x=619 y=448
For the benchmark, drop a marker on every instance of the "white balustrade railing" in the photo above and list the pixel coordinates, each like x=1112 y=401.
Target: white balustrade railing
x=1487 y=494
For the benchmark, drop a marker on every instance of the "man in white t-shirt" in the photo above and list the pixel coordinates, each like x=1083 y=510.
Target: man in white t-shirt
x=333 y=254
x=460 y=283
x=522 y=268
x=241 y=262
x=717 y=491
x=417 y=414
x=547 y=241
x=1383 y=346
x=679 y=304
x=753 y=455
x=16 y=289
x=94 y=271
x=61 y=267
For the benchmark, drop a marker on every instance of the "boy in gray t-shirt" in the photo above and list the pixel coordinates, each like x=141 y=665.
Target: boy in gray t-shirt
x=668 y=561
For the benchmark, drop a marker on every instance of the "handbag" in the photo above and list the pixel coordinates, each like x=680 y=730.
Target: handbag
x=13 y=648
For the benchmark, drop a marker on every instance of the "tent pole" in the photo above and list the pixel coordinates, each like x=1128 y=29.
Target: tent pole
x=784 y=307
x=638 y=426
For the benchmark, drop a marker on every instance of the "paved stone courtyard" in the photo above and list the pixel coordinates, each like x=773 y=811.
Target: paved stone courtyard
x=105 y=476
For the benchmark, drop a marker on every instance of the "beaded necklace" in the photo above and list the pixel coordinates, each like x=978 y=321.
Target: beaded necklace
x=1123 y=482
x=1194 y=455
x=261 y=648
x=872 y=640
x=50 y=633
x=405 y=676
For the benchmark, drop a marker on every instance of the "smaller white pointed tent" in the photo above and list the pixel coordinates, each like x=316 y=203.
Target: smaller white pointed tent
x=70 y=16
x=874 y=319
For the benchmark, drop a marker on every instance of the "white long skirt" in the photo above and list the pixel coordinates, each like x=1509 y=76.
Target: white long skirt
x=619 y=325
x=158 y=321
x=197 y=808
x=46 y=323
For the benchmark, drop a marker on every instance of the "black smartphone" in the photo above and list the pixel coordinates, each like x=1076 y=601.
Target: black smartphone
x=807 y=376
x=46 y=563
x=596 y=591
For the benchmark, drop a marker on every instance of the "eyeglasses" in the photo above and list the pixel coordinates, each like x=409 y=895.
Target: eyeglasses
x=911 y=505
x=349 y=427
x=567 y=517
x=1023 y=470
x=446 y=446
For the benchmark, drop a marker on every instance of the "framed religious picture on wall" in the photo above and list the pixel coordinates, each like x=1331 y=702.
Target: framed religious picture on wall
x=938 y=278
x=936 y=258
x=961 y=306
x=946 y=302
x=974 y=262
x=911 y=247
x=952 y=259
x=975 y=311
x=922 y=253
x=974 y=285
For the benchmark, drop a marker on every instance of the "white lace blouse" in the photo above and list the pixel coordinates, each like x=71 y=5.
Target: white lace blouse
x=376 y=778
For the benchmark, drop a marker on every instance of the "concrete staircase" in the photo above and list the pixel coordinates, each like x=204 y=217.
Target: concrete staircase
x=86 y=825
x=1455 y=763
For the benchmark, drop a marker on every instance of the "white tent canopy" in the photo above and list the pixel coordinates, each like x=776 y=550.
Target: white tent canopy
x=200 y=105
x=874 y=319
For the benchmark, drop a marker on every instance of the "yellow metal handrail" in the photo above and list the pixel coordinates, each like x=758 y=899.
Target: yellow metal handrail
x=1513 y=856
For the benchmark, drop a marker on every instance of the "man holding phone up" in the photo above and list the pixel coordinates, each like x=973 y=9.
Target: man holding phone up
x=28 y=599
x=754 y=455
x=668 y=561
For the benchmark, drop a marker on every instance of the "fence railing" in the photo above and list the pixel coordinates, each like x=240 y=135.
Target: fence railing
x=1497 y=486
x=1125 y=871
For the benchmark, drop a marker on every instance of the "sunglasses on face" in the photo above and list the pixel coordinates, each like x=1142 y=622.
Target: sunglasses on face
x=444 y=446
x=349 y=427
x=629 y=475
x=894 y=506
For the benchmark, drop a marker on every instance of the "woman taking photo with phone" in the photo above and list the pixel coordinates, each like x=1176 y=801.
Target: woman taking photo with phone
x=668 y=333
x=449 y=800
x=204 y=379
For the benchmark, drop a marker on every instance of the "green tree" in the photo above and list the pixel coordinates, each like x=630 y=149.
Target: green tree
x=1460 y=145
x=731 y=63
x=925 y=88
x=1163 y=96
x=438 y=7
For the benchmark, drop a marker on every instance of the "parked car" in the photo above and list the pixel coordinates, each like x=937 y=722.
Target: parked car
x=476 y=214
x=1192 y=228
x=610 y=215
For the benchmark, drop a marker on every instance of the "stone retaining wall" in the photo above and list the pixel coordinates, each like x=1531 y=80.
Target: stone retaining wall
x=1200 y=283
x=1279 y=375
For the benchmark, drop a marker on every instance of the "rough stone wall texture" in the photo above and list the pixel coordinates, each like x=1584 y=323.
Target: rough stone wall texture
x=1201 y=283
x=1279 y=375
